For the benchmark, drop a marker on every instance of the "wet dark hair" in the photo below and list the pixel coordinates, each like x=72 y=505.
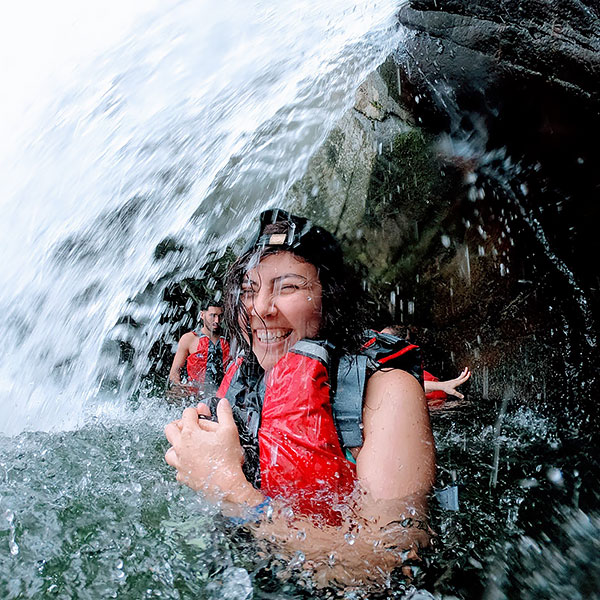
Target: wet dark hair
x=406 y=331
x=344 y=302
x=208 y=303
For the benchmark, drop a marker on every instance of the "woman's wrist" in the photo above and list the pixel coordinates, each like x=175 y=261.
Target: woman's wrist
x=243 y=492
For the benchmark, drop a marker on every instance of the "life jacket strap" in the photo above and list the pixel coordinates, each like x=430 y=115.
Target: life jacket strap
x=313 y=349
x=348 y=399
x=348 y=381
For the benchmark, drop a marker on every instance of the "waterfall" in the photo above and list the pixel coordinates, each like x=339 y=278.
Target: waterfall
x=196 y=119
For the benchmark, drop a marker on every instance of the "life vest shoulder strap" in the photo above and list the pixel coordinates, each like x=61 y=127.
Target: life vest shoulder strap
x=380 y=351
x=315 y=349
x=349 y=392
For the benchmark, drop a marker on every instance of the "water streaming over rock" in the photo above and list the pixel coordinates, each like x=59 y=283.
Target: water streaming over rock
x=186 y=130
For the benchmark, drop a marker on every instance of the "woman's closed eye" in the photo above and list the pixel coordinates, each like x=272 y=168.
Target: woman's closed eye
x=289 y=288
x=247 y=293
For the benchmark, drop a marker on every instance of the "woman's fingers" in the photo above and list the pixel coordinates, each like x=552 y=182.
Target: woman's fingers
x=189 y=417
x=224 y=413
x=206 y=425
x=173 y=432
x=465 y=375
x=204 y=410
x=194 y=419
x=171 y=458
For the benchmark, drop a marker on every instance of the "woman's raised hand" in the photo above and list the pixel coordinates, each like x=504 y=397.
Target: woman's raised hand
x=207 y=455
x=449 y=386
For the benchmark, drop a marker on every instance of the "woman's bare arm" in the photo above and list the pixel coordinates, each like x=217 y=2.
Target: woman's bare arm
x=397 y=459
x=449 y=385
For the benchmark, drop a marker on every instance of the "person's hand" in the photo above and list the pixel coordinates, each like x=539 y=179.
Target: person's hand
x=450 y=385
x=206 y=454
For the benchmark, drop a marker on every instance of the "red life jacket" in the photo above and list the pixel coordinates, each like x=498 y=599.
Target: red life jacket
x=300 y=452
x=301 y=433
x=197 y=362
x=437 y=397
x=300 y=455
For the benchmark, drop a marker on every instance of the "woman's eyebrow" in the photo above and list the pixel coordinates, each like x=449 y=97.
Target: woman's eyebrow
x=287 y=276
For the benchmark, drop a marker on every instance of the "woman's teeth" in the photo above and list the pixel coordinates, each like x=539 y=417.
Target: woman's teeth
x=269 y=336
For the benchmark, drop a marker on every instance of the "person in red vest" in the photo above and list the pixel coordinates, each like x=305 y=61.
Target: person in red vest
x=204 y=354
x=347 y=492
x=436 y=391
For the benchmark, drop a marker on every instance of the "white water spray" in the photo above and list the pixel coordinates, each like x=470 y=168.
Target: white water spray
x=189 y=127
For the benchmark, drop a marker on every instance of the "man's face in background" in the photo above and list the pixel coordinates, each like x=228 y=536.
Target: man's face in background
x=211 y=320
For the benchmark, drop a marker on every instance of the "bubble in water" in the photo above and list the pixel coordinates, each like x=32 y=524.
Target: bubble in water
x=234 y=584
x=555 y=476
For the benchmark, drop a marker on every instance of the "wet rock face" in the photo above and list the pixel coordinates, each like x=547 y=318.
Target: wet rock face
x=335 y=187
x=524 y=72
x=483 y=42
x=512 y=87
x=463 y=180
x=527 y=70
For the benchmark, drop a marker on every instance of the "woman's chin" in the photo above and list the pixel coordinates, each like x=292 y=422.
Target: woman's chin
x=268 y=355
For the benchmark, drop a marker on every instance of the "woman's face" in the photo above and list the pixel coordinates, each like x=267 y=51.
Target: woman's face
x=282 y=296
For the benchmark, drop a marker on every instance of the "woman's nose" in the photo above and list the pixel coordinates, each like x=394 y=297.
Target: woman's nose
x=263 y=303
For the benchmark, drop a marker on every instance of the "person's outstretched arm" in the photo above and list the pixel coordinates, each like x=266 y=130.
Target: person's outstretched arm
x=449 y=386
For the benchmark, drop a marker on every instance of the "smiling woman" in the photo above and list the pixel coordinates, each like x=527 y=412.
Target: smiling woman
x=282 y=304
x=286 y=453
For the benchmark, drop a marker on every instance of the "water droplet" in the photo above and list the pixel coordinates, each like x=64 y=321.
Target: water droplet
x=555 y=476
x=13 y=546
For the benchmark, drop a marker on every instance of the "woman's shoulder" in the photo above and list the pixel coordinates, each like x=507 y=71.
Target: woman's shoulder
x=394 y=388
